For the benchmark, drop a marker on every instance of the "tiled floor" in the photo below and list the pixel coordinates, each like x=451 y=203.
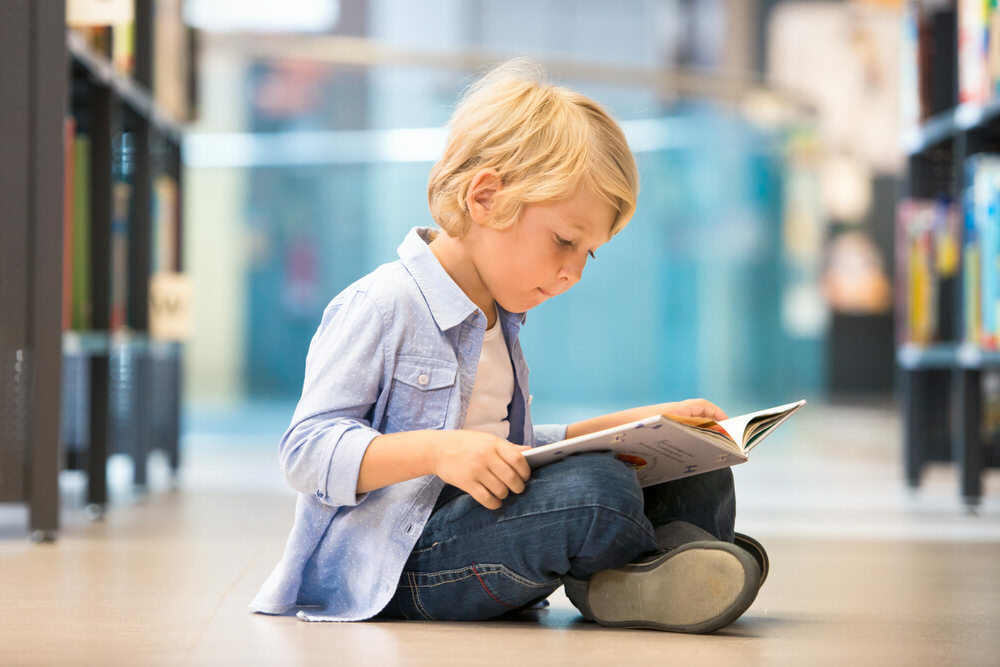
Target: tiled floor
x=863 y=570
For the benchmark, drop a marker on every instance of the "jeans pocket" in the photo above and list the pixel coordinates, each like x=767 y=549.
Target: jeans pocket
x=476 y=592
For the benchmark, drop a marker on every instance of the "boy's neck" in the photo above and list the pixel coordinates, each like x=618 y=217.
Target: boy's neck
x=454 y=258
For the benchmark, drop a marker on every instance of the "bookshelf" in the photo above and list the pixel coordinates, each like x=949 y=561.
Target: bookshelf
x=83 y=376
x=948 y=269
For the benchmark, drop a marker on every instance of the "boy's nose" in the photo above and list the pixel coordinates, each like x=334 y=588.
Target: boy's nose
x=572 y=270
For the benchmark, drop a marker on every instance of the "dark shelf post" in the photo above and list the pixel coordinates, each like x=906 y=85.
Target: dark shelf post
x=48 y=92
x=102 y=101
x=140 y=244
x=914 y=429
x=967 y=446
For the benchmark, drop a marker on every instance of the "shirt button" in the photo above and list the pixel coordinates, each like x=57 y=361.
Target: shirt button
x=423 y=379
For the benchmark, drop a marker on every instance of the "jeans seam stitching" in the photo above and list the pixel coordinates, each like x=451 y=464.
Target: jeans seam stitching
x=487 y=568
x=487 y=588
x=416 y=598
x=588 y=506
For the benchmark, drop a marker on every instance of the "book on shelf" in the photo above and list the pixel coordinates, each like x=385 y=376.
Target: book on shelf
x=80 y=298
x=171 y=59
x=69 y=137
x=166 y=223
x=981 y=294
x=108 y=28
x=662 y=448
x=948 y=262
x=928 y=242
x=978 y=51
x=122 y=164
x=941 y=39
x=99 y=12
x=973 y=71
x=933 y=26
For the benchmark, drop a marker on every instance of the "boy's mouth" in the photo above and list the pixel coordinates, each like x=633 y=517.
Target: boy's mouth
x=547 y=295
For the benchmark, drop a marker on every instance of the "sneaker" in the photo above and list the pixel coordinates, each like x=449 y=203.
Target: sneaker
x=756 y=550
x=674 y=534
x=698 y=587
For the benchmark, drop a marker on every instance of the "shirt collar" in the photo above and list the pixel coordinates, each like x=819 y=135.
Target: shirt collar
x=448 y=304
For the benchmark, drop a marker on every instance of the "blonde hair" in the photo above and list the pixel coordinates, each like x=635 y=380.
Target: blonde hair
x=546 y=143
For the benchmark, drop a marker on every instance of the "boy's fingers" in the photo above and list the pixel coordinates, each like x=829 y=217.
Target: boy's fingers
x=495 y=485
x=517 y=461
x=510 y=477
x=485 y=498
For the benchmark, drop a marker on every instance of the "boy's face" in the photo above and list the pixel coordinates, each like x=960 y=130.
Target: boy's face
x=544 y=252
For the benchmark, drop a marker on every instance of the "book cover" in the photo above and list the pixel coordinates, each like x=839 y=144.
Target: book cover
x=662 y=448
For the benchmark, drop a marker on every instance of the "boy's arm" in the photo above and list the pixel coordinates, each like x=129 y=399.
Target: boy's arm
x=322 y=449
x=486 y=467
x=695 y=407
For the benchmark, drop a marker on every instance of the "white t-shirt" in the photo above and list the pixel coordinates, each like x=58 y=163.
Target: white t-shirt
x=494 y=387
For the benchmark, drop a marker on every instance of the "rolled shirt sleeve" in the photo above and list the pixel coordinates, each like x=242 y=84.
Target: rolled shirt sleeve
x=546 y=434
x=322 y=449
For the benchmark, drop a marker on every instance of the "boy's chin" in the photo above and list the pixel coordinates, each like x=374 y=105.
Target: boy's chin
x=522 y=305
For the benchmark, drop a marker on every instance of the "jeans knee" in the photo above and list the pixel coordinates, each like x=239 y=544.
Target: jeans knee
x=707 y=500
x=603 y=518
x=600 y=480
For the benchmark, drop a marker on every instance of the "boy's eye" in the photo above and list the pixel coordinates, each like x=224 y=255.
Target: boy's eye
x=566 y=243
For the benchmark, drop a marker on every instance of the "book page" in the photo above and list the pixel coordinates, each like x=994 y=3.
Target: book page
x=749 y=429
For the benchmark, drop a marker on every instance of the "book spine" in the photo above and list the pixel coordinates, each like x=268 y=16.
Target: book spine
x=81 y=302
x=986 y=212
x=992 y=48
x=170 y=59
x=909 y=70
x=983 y=172
x=929 y=257
x=121 y=198
x=972 y=39
x=165 y=223
x=69 y=138
x=971 y=275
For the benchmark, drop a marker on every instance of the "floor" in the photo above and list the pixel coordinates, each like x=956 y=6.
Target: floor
x=864 y=571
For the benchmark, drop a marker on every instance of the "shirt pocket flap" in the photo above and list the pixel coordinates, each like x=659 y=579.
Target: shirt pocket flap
x=425 y=374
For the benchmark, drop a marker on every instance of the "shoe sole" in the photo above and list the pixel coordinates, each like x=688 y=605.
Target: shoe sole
x=756 y=549
x=697 y=588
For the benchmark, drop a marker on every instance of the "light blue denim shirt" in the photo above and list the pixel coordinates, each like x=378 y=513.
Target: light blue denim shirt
x=395 y=351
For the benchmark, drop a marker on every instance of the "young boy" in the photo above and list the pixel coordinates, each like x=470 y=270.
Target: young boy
x=414 y=499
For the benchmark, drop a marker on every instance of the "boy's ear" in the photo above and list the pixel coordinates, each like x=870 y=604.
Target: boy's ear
x=482 y=190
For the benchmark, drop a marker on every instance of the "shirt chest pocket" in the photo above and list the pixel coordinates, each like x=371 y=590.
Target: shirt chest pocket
x=420 y=393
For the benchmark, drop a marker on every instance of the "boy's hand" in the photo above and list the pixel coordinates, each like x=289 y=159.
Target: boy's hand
x=486 y=467
x=694 y=407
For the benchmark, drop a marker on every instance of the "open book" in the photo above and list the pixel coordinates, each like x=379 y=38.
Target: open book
x=665 y=447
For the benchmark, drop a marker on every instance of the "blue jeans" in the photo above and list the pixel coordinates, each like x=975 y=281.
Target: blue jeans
x=581 y=515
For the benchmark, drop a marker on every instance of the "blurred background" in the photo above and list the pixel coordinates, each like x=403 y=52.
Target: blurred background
x=818 y=218
x=756 y=270
x=229 y=168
